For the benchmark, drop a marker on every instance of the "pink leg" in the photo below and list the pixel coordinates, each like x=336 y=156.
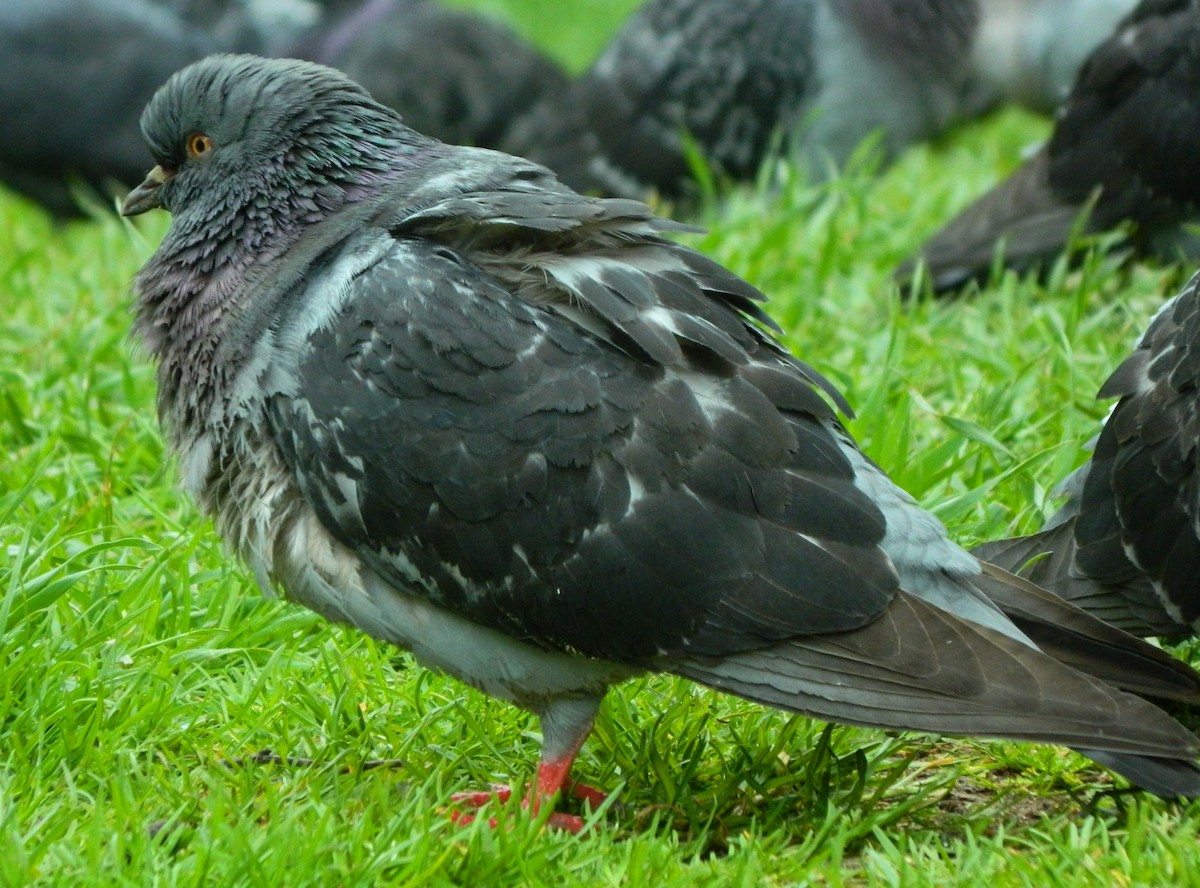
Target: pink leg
x=551 y=776
x=565 y=725
x=551 y=779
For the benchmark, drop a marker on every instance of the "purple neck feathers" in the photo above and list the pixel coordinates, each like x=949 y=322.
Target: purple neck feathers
x=205 y=297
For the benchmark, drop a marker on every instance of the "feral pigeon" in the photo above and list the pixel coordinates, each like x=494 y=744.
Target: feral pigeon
x=455 y=75
x=727 y=80
x=1122 y=149
x=265 y=27
x=429 y=391
x=1126 y=545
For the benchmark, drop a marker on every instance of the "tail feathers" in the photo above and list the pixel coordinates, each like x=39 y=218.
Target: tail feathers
x=1084 y=642
x=1022 y=218
x=1166 y=778
x=920 y=668
x=1047 y=558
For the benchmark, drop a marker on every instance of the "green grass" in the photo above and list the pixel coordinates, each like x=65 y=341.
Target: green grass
x=136 y=660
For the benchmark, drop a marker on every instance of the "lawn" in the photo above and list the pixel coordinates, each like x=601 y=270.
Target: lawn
x=141 y=669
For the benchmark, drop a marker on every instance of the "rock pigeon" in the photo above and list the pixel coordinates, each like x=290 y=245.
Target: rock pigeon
x=1126 y=545
x=265 y=27
x=730 y=78
x=455 y=75
x=431 y=392
x=1122 y=149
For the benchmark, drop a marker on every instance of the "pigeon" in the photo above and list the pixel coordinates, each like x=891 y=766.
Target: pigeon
x=1125 y=546
x=429 y=391
x=728 y=80
x=454 y=75
x=74 y=75
x=264 y=27
x=78 y=72
x=1030 y=51
x=1121 y=151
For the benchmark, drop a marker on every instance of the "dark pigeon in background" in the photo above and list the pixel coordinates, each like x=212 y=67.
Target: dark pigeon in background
x=1124 y=149
x=429 y=391
x=265 y=27
x=73 y=78
x=457 y=76
x=1126 y=545
x=824 y=74
x=75 y=74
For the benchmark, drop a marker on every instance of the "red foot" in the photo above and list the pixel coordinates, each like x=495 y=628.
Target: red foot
x=551 y=778
x=500 y=792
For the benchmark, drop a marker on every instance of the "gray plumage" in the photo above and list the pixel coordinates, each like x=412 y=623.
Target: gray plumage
x=1122 y=150
x=431 y=392
x=732 y=78
x=1126 y=545
x=456 y=75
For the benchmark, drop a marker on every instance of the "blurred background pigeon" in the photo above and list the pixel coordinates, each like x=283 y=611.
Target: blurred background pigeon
x=267 y=27
x=1123 y=150
x=430 y=391
x=74 y=74
x=683 y=82
x=455 y=75
x=732 y=78
x=1126 y=545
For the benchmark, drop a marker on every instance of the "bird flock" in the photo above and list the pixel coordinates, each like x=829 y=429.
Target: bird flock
x=435 y=368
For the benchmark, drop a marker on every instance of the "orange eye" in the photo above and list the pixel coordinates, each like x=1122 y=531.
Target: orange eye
x=198 y=144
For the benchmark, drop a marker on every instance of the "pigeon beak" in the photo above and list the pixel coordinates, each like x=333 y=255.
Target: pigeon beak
x=145 y=197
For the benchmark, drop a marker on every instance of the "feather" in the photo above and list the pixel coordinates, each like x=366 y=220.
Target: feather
x=1126 y=545
x=1119 y=153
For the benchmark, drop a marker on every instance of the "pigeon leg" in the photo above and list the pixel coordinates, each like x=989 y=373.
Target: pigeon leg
x=565 y=725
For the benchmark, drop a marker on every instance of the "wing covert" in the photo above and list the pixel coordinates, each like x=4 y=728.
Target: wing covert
x=519 y=469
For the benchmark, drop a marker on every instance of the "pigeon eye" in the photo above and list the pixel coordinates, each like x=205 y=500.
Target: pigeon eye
x=198 y=144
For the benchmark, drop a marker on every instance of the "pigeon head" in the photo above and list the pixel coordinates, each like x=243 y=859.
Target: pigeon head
x=234 y=134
